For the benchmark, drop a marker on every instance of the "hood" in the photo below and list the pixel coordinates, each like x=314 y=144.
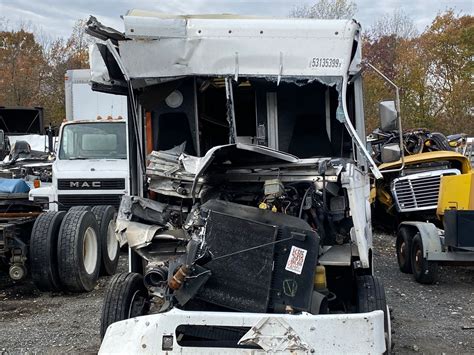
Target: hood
x=90 y=165
x=429 y=156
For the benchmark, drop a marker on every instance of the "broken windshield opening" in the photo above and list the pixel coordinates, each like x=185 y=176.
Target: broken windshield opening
x=299 y=118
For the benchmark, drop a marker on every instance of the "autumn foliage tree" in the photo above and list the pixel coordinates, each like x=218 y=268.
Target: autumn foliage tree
x=20 y=58
x=433 y=71
x=32 y=69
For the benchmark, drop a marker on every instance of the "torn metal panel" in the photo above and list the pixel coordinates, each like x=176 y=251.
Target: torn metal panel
x=208 y=46
x=137 y=235
x=143 y=208
x=96 y=29
x=358 y=190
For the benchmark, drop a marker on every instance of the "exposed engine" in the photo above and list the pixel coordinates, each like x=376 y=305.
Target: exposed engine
x=244 y=242
x=414 y=142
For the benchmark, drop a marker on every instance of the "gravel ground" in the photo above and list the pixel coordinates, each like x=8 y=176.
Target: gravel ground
x=426 y=319
x=430 y=319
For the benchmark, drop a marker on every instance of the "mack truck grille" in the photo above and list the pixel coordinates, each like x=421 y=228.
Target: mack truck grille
x=91 y=184
x=68 y=201
x=420 y=191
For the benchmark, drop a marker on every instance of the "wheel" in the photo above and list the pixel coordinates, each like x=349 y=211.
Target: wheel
x=424 y=271
x=371 y=297
x=43 y=251
x=105 y=216
x=126 y=297
x=79 y=251
x=80 y=208
x=403 y=246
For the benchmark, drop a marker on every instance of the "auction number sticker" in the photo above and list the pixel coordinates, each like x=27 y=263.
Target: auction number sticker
x=318 y=62
x=296 y=260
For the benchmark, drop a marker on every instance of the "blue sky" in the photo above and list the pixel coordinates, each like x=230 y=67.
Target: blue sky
x=56 y=17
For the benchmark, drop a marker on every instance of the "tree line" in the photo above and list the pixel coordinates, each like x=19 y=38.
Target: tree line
x=33 y=66
x=434 y=69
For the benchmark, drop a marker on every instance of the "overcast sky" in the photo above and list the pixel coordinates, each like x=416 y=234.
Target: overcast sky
x=57 y=17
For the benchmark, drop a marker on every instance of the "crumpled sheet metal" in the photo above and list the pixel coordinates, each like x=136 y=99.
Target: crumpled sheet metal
x=207 y=47
x=137 y=235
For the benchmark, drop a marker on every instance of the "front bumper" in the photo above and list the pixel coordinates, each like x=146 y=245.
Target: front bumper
x=356 y=333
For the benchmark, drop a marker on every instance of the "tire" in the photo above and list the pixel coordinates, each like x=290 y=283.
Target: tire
x=424 y=271
x=79 y=251
x=371 y=297
x=43 y=251
x=126 y=297
x=109 y=246
x=80 y=208
x=403 y=246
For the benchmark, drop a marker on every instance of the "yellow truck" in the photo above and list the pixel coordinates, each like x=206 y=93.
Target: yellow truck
x=422 y=246
x=411 y=193
x=427 y=194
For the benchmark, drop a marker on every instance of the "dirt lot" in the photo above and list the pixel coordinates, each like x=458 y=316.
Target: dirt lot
x=426 y=319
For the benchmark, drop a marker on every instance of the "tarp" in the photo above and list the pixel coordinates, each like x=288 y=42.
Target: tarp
x=10 y=186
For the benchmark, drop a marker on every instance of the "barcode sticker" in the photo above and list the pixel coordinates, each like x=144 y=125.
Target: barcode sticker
x=296 y=260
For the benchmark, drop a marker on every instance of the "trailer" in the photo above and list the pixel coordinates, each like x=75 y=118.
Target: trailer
x=248 y=219
x=84 y=104
x=60 y=251
x=422 y=246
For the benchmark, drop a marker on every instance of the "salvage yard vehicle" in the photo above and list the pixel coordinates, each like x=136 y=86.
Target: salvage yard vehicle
x=91 y=166
x=61 y=251
x=410 y=188
x=249 y=219
x=422 y=246
x=26 y=146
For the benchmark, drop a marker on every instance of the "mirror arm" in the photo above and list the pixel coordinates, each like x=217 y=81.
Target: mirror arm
x=399 y=118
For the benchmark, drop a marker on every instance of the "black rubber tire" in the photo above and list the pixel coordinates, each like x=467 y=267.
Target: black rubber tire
x=80 y=208
x=124 y=291
x=43 y=251
x=71 y=261
x=424 y=271
x=104 y=216
x=371 y=297
x=403 y=247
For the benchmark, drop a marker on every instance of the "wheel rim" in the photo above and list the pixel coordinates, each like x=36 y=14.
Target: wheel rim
x=112 y=243
x=89 y=250
x=402 y=253
x=418 y=259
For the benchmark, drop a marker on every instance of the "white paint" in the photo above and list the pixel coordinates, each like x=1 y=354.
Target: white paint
x=361 y=333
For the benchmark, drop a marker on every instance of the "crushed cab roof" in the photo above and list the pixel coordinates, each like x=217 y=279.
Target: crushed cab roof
x=159 y=45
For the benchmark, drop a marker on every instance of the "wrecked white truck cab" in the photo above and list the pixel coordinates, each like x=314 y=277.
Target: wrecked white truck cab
x=249 y=221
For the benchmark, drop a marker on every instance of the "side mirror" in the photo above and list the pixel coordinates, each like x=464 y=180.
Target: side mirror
x=388 y=116
x=391 y=152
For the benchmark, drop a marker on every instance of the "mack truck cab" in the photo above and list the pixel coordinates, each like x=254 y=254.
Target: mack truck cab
x=248 y=221
x=91 y=166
